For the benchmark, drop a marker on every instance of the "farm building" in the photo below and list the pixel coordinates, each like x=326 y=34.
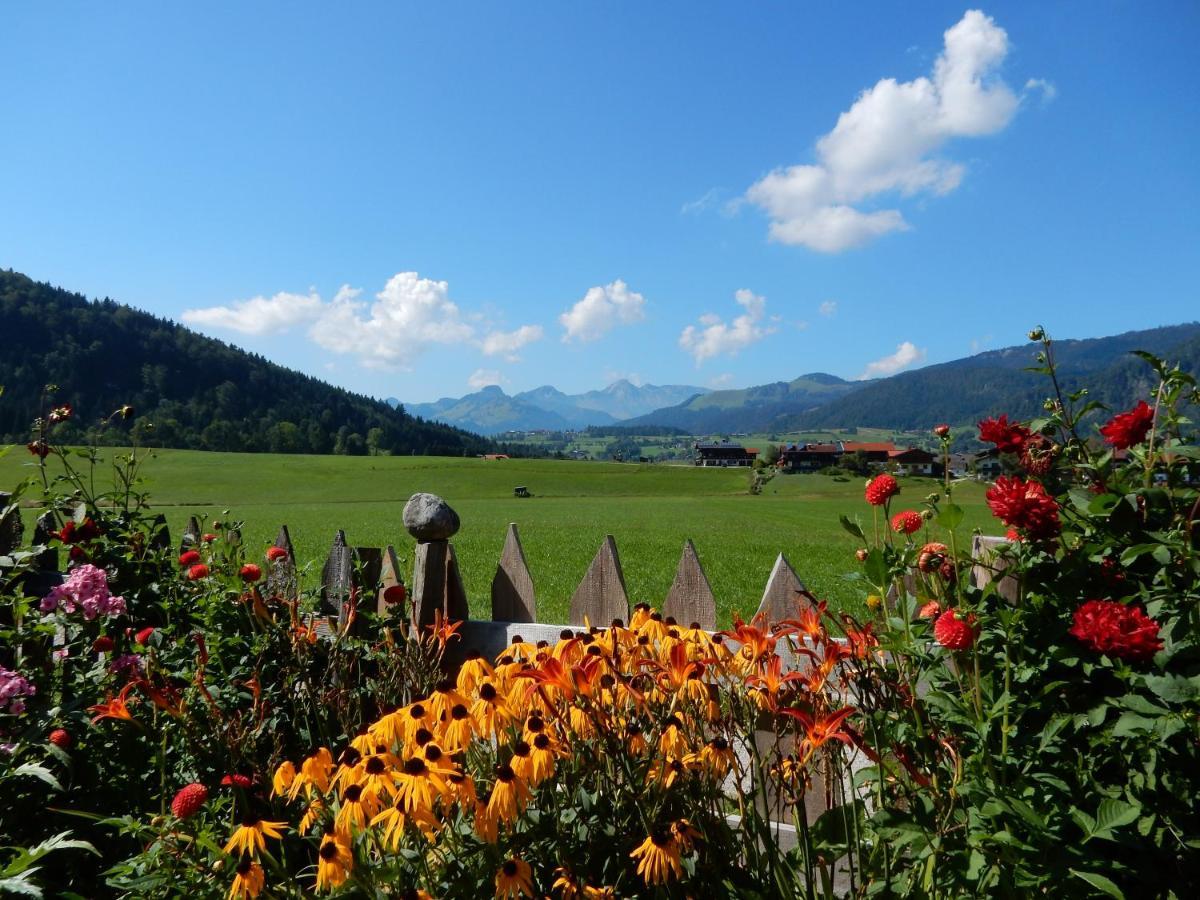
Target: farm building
x=914 y=461
x=879 y=455
x=723 y=454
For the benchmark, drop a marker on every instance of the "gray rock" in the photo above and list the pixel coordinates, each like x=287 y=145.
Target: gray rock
x=429 y=518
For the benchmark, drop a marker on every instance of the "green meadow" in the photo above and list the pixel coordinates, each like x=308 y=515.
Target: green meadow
x=650 y=509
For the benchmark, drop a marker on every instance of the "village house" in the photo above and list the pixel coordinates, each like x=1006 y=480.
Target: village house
x=914 y=461
x=723 y=454
x=878 y=454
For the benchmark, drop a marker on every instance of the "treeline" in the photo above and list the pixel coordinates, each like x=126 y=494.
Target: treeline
x=186 y=390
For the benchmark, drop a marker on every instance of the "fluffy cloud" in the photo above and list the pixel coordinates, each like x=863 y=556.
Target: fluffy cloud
x=481 y=378
x=828 y=309
x=906 y=355
x=507 y=343
x=1043 y=87
x=885 y=144
x=715 y=337
x=601 y=310
x=408 y=315
x=258 y=315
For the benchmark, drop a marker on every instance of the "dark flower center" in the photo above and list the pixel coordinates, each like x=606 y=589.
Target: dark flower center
x=534 y=723
x=607 y=680
x=488 y=692
x=423 y=736
x=459 y=712
x=719 y=743
x=505 y=773
x=433 y=753
x=541 y=742
x=520 y=748
x=329 y=851
x=510 y=868
x=244 y=864
x=375 y=766
x=353 y=793
x=415 y=766
x=417 y=712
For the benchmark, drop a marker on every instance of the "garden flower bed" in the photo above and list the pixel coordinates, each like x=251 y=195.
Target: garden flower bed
x=1025 y=724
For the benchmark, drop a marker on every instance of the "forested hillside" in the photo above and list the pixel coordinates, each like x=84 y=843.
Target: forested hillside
x=966 y=390
x=187 y=390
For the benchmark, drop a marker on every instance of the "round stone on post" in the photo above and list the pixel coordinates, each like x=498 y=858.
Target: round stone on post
x=429 y=518
x=436 y=585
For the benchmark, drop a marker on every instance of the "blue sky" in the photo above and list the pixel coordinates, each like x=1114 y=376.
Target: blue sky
x=414 y=199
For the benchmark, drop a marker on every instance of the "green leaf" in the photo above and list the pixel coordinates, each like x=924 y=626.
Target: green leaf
x=877 y=569
x=853 y=527
x=1174 y=688
x=40 y=772
x=950 y=516
x=1100 y=883
x=1113 y=814
x=20 y=885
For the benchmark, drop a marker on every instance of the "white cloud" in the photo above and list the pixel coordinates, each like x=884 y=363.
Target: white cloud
x=700 y=204
x=721 y=381
x=907 y=354
x=1042 y=86
x=715 y=337
x=885 y=142
x=601 y=310
x=409 y=315
x=481 y=378
x=258 y=315
x=828 y=309
x=507 y=343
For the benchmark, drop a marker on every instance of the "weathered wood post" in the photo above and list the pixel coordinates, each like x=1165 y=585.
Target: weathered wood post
x=512 y=585
x=337 y=578
x=11 y=529
x=690 y=599
x=390 y=576
x=281 y=573
x=601 y=597
x=191 y=535
x=436 y=583
x=990 y=566
x=785 y=594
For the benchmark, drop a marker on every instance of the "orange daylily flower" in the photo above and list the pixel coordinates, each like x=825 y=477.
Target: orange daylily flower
x=114 y=707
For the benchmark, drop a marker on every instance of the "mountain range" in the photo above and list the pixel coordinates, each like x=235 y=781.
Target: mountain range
x=958 y=392
x=491 y=411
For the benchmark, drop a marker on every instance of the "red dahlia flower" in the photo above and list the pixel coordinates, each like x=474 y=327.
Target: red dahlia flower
x=929 y=610
x=1037 y=454
x=190 y=558
x=1129 y=428
x=880 y=489
x=941 y=430
x=1112 y=628
x=250 y=572
x=932 y=556
x=1008 y=437
x=274 y=553
x=208 y=538
x=189 y=800
x=1025 y=505
x=244 y=782
x=60 y=738
x=954 y=632
x=103 y=644
x=195 y=573
x=906 y=522
x=40 y=449
x=143 y=636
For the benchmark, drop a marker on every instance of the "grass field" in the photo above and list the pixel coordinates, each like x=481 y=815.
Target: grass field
x=650 y=509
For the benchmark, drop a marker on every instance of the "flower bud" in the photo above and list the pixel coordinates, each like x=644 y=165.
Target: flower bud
x=861 y=554
x=1037 y=334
